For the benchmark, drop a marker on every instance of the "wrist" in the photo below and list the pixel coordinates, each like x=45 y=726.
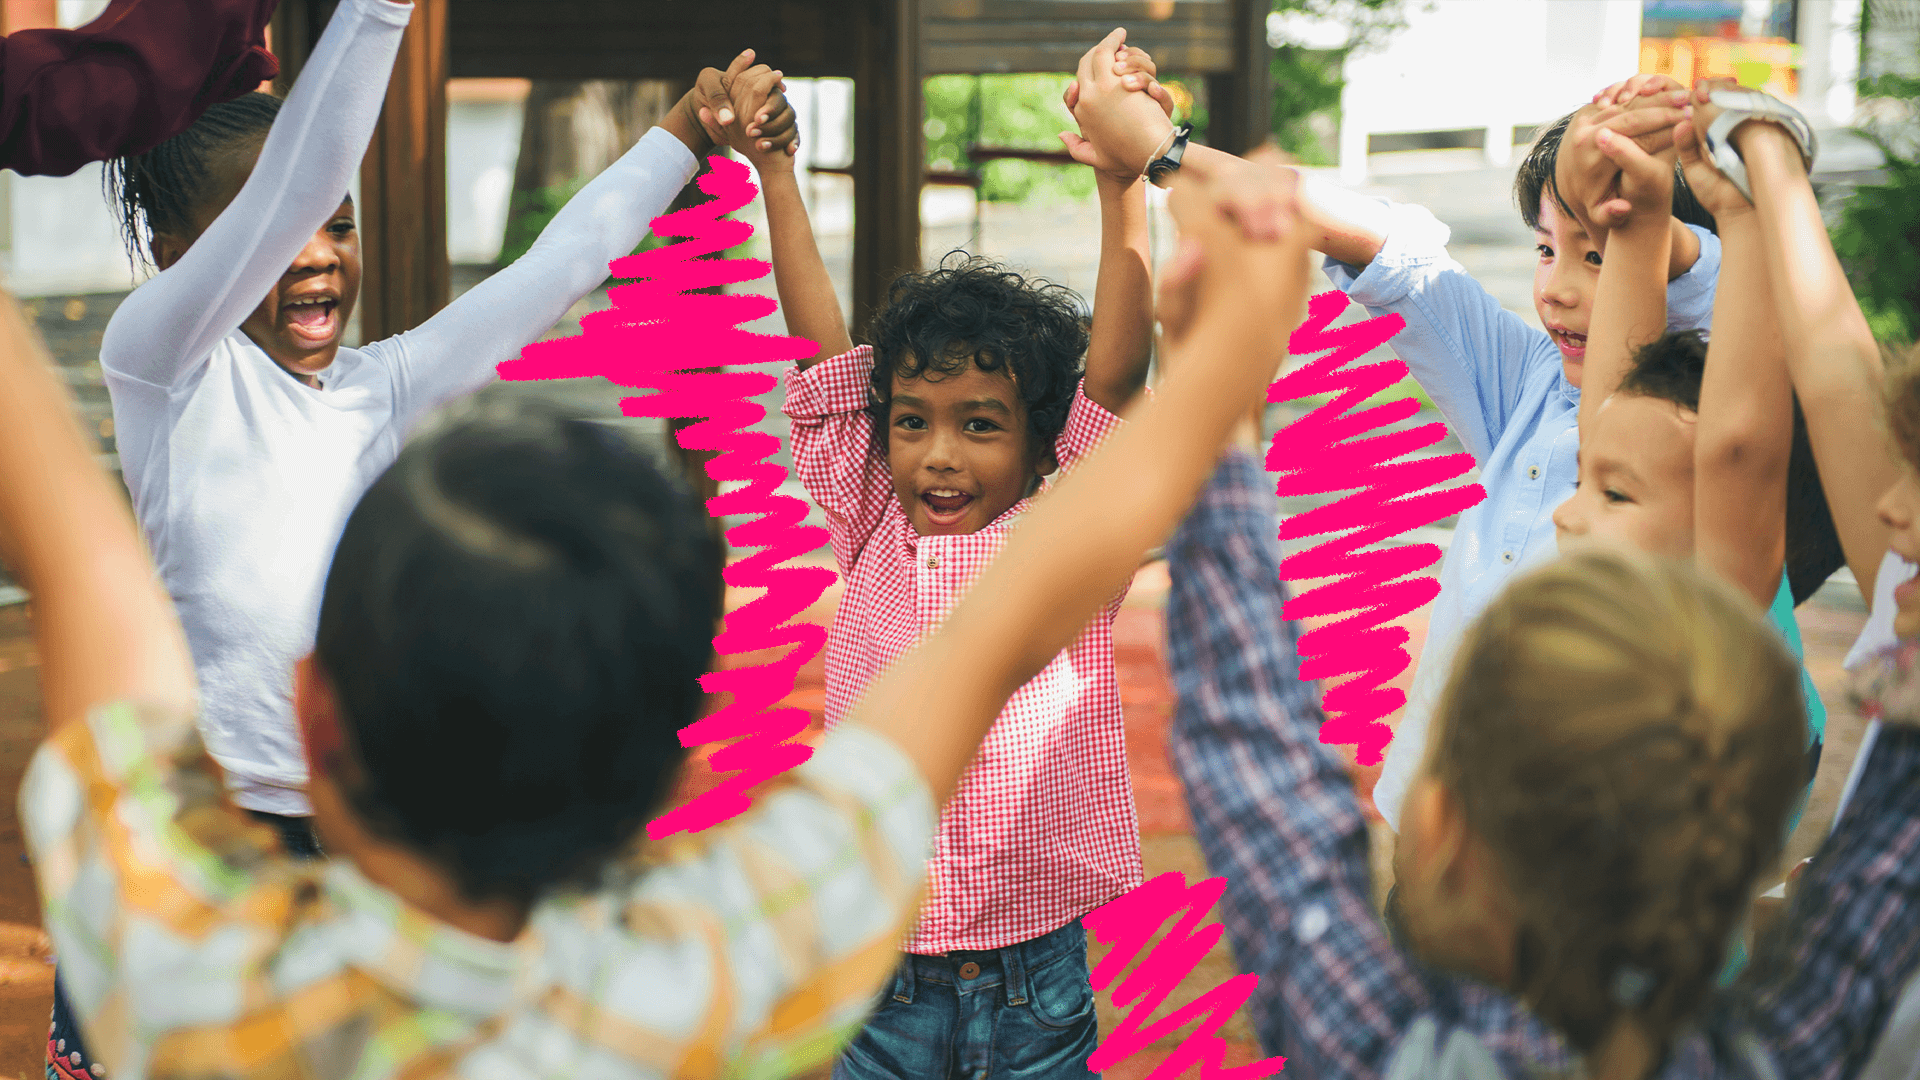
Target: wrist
x=683 y=123
x=1162 y=140
x=1764 y=138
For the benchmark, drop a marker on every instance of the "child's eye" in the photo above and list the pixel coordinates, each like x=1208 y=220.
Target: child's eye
x=1615 y=495
x=978 y=426
x=341 y=228
x=910 y=423
x=1545 y=251
x=1593 y=258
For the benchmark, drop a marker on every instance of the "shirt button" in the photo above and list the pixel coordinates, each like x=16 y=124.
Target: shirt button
x=969 y=970
x=1506 y=556
x=933 y=563
x=1533 y=473
x=1312 y=924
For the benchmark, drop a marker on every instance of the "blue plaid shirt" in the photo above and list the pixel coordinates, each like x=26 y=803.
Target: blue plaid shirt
x=1275 y=813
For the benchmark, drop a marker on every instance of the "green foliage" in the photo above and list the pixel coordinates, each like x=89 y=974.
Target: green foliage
x=1878 y=234
x=1020 y=112
x=1307 y=82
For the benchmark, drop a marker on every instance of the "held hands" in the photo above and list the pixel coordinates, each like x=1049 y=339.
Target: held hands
x=1136 y=70
x=1715 y=192
x=1615 y=162
x=743 y=108
x=1221 y=262
x=1125 y=127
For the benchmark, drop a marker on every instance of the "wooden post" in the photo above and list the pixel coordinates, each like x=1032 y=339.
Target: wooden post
x=1241 y=101
x=403 y=186
x=292 y=34
x=889 y=155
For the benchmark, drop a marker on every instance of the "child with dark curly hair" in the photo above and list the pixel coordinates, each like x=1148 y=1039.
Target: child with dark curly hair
x=924 y=448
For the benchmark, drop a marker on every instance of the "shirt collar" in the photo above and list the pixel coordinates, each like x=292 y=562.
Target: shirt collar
x=422 y=959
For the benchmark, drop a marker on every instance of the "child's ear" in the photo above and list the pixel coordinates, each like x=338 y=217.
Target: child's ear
x=1045 y=463
x=166 y=249
x=318 y=712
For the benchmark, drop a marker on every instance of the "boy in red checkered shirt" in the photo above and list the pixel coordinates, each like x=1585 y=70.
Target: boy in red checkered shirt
x=924 y=449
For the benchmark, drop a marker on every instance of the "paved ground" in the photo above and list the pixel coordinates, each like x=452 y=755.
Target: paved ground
x=1056 y=241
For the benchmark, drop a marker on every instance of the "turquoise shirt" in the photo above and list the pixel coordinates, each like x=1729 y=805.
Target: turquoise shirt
x=1781 y=615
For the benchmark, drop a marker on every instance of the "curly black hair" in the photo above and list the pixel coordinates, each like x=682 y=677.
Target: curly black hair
x=158 y=192
x=1536 y=177
x=1671 y=368
x=974 y=311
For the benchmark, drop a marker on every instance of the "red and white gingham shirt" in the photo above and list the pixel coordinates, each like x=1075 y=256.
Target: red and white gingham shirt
x=1042 y=829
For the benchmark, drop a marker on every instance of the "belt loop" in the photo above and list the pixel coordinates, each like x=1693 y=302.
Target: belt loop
x=903 y=979
x=1013 y=972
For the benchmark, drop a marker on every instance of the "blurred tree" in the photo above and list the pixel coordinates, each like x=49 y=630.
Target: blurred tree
x=1878 y=233
x=1311 y=40
x=1021 y=112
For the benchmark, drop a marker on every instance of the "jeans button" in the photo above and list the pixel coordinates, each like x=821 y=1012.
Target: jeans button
x=969 y=970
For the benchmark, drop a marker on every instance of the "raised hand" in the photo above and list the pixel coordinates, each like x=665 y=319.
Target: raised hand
x=1136 y=70
x=763 y=128
x=1128 y=127
x=1219 y=257
x=1715 y=192
x=1624 y=91
x=1588 y=169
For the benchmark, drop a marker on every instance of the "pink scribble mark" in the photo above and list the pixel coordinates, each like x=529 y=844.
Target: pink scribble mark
x=654 y=338
x=1320 y=453
x=1126 y=924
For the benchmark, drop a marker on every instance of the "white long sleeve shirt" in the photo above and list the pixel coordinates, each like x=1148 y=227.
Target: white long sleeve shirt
x=242 y=476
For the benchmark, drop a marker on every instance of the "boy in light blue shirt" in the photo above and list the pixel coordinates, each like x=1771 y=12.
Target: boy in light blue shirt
x=1508 y=390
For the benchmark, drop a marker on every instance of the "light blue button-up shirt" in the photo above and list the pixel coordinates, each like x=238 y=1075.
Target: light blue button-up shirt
x=1497 y=381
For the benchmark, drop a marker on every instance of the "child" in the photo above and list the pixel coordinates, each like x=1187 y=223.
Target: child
x=1612 y=768
x=246 y=431
x=1508 y=391
x=527 y=593
x=924 y=450
x=1692 y=455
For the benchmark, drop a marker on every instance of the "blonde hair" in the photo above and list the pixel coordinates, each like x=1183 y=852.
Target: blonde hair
x=1628 y=736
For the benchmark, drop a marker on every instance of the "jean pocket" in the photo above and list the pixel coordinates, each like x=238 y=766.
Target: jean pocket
x=1060 y=993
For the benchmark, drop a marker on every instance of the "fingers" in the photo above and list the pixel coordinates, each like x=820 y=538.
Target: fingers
x=718 y=102
x=1103 y=53
x=1071 y=97
x=1079 y=149
x=1162 y=95
x=1645 y=121
x=1131 y=59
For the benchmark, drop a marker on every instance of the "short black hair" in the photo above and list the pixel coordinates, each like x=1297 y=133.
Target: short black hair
x=159 y=190
x=1671 y=368
x=974 y=311
x=1536 y=177
x=515 y=623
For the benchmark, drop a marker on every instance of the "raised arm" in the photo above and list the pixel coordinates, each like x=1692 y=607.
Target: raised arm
x=457 y=350
x=1630 y=302
x=305 y=167
x=1228 y=305
x=137 y=75
x=1745 y=431
x=807 y=298
x=1831 y=355
x=104 y=629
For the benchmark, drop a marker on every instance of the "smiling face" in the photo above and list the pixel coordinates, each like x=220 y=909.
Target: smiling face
x=1564 y=280
x=303 y=318
x=1636 y=479
x=958 y=449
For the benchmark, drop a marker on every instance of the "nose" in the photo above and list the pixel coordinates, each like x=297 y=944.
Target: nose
x=1567 y=519
x=319 y=256
x=1560 y=289
x=943 y=450
x=1893 y=510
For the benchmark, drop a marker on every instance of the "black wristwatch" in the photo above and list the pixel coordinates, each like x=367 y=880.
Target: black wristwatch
x=1169 y=163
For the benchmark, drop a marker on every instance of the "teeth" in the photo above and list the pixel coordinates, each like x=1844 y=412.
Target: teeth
x=945 y=493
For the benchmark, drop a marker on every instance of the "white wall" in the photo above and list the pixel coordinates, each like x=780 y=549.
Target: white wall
x=483 y=142
x=1492 y=64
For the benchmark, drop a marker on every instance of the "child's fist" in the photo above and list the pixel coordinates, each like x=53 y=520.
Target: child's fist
x=743 y=108
x=1604 y=172
x=1126 y=126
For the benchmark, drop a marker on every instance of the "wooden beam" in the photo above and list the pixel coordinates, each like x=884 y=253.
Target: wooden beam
x=1240 y=102
x=403 y=186
x=295 y=29
x=889 y=152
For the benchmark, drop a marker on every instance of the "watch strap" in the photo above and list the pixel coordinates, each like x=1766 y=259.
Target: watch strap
x=1740 y=106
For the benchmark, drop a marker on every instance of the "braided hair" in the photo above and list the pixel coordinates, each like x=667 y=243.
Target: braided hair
x=157 y=192
x=1625 y=733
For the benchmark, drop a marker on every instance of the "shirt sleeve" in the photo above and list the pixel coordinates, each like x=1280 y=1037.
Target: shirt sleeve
x=457 y=350
x=129 y=80
x=1088 y=425
x=816 y=888
x=1690 y=296
x=1821 y=989
x=833 y=449
x=167 y=326
x=1276 y=815
x=137 y=854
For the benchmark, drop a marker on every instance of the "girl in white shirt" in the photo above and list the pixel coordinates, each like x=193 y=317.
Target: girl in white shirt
x=246 y=431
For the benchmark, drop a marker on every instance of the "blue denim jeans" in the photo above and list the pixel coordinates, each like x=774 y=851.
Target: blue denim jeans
x=1024 y=1012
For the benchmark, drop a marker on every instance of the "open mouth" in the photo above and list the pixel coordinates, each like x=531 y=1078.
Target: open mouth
x=1569 y=342
x=313 y=318
x=945 y=506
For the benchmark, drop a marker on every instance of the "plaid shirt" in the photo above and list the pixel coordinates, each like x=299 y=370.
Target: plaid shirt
x=1276 y=814
x=1043 y=828
x=192 y=948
